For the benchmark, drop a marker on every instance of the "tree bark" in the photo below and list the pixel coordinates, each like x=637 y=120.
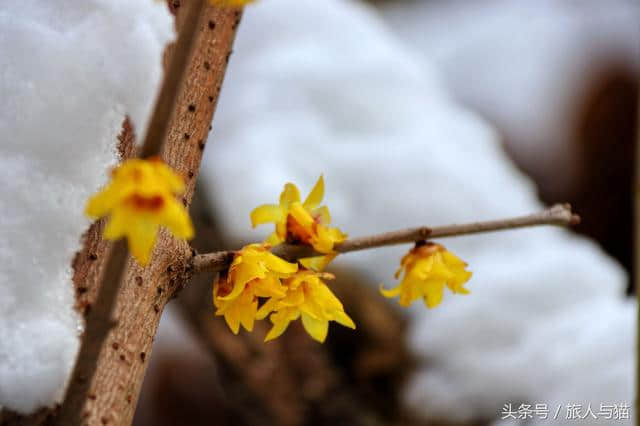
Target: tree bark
x=145 y=291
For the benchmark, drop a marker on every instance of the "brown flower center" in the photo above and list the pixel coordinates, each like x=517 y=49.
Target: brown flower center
x=152 y=204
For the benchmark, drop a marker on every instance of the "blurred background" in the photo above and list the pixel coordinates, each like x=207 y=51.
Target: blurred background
x=421 y=112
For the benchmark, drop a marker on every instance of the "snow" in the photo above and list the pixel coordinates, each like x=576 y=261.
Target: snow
x=524 y=65
x=327 y=88
x=70 y=72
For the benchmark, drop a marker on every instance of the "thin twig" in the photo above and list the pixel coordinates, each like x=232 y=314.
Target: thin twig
x=99 y=321
x=559 y=214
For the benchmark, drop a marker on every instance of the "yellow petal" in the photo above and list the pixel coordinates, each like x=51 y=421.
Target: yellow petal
x=270 y=286
x=452 y=260
x=439 y=270
x=434 y=296
x=322 y=243
x=247 y=271
x=101 y=204
x=268 y=307
x=274 y=239
x=301 y=216
x=457 y=281
x=316 y=328
x=342 y=318
x=336 y=235
x=390 y=293
x=238 y=288
x=247 y=315
x=326 y=238
x=313 y=308
x=230 y=3
x=317 y=263
x=294 y=297
x=322 y=215
x=314 y=198
x=176 y=219
x=278 y=265
x=280 y=322
x=289 y=195
x=267 y=213
x=117 y=226
x=233 y=322
x=142 y=238
x=171 y=179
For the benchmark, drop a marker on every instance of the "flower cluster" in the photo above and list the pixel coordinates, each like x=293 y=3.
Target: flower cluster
x=309 y=298
x=428 y=267
x=140 y=197
x=254 y=272
x=288 y=293
x=260 y=285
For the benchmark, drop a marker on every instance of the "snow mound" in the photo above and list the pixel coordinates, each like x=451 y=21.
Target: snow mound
x=70 y=72
x=524 y=65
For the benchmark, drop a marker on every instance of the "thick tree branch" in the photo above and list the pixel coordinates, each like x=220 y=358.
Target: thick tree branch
x=99 y=321
x=559 y=214
x=122 y=336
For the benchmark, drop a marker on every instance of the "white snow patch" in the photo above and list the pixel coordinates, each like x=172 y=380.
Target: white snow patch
x=322 y=87
x=70 y=72
x=524 y=65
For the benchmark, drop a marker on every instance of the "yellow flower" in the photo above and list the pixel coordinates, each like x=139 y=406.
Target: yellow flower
x=427 y=268
x=309 y=298
x=230 y=3
x=254 y=272
x=140 y=198
x=298 y=222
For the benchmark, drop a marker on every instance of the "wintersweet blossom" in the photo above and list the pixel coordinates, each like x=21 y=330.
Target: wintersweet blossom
x=140 y=197
x=309 y=298
x=230 y=3
x=255 y=272
x=301 y=223
x=427 y=268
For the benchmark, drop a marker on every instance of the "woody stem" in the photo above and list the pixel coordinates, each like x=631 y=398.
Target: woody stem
x=559 y=215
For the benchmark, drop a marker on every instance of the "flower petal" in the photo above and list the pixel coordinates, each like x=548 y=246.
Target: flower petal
x=289 y=195
x=316 y=328
x=274 y=239
x=233 y=322
x=267 y=213
x=247 y=314
x=142 y=238
x=342 y=318
x=433 y=296
x=390 y=293
x=314 y=198
x=301 y=216
x=268 y=307
x=280 y=322
x=101 y=203
x=317 y=263
x=173 y=181
x=270 y=286
x=176 y=219
x=117 y=226
x=278 y=265
x=322 y=215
